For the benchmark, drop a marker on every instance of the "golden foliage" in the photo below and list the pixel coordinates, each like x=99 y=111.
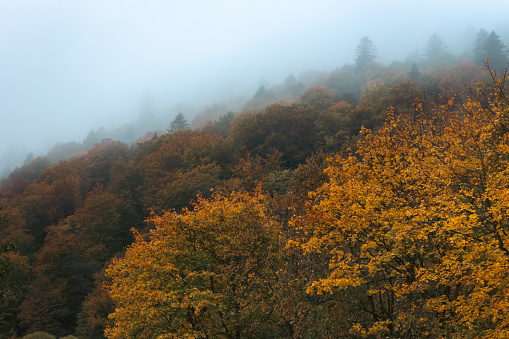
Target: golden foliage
x=417 y=222
x=203 y=273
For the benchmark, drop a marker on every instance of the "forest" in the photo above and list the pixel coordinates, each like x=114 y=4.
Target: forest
x=371 y=202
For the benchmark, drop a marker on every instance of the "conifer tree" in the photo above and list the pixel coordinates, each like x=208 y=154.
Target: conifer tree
x=365 y=53
x=261 y=92
x=179 y=123
x=414 y=73
x=290 y=79
x=479 y=50
x=495 y=52
x=435 y=46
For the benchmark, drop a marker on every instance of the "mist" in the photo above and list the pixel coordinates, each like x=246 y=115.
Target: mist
x=69 y=67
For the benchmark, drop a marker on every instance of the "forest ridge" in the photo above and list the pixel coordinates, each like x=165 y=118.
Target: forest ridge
x=371 y=202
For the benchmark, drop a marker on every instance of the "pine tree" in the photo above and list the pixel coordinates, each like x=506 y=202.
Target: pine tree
x=290 y=79
x=261 y=92
x=495 y=52
x=366 y=53
x=479 y=51
x=414 y=73
x=179 y=123
x=435 y=46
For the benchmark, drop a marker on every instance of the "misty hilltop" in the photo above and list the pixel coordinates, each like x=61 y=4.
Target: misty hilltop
x=247 y=207
x=69 y=68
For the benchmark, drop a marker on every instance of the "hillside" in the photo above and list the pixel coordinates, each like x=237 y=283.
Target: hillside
x=366 y=203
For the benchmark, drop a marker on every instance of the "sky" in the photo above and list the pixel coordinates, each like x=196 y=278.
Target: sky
x=70 y=66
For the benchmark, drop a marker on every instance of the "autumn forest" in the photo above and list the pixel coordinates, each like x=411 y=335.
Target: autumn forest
x=369 y=202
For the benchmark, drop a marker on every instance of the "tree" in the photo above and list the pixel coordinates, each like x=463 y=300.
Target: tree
x=5 y=264
x=5 y=269
x=291 y=88
x=495 y=52
x=46 y=204
x=434 y=47
x=102 y=159
x=461 y=78
x=414 y=73
x=437 y=54
x=28 y=159
x=261 y=92
x=365 y=53
x=63 y=277
x=209 y=114
x=180 y=166
x=317 y=97
x=99 y=223
x=204 y=273
x=178 y=123
x=287 y=128
x=290 y=79
x=93 y=317
x=479 y=49
x=223 y=123
x=18 y=282
x=416 y=223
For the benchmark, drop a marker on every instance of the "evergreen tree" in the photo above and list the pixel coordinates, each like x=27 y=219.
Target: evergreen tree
x=414 y=73
x=479 y=50
x=365 y=53
x=435 y=46
x=261 y=92
x=179 y=123
x=495 y=52
x=290 y=80
x=28 y=159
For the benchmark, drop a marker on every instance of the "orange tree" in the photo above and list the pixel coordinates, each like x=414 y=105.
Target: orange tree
x=416 y=223
x=204 y=273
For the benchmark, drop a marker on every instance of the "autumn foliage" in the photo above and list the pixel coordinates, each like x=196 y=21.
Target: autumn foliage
x=367 y=205
x=204 y=273
x=416 y=222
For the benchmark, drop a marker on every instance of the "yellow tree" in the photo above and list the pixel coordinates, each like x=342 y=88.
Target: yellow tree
x=416 y=223
x=204 y=273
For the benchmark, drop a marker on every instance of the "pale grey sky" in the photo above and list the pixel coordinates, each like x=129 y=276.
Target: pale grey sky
x=69 y=66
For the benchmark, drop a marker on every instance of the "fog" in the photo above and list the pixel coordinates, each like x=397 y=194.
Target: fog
x=67 y=67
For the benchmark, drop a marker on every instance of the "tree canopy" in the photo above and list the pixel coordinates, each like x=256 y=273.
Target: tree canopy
x=360 y=203
x=205 y=273
x=416 y=223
